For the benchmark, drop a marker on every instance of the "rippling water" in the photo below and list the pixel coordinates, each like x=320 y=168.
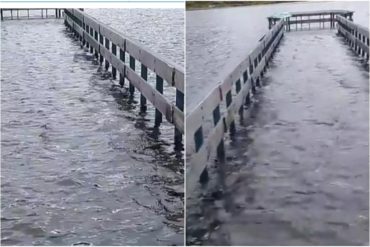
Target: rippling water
x=79 y=163
x=147 y=26
x=218 y=39
x=296 y=171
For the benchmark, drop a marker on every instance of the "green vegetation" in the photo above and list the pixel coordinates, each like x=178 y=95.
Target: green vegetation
x=193 y=5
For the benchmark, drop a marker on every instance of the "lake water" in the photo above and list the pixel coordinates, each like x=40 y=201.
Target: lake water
x=79 y=164
x=217 y=40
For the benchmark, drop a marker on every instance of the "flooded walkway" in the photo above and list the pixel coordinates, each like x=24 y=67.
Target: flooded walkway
x=79 y=164
x=297 y=171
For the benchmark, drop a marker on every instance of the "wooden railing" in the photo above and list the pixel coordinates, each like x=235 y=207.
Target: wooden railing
x=215 y=115
x=309 y=19
x=21 y=14
x=357 y=36
x=110 y=47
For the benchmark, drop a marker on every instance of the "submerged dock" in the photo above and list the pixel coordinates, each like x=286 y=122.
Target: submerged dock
x=218 y=113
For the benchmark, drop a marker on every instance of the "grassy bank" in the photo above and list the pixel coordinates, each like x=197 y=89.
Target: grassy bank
x=194 y=5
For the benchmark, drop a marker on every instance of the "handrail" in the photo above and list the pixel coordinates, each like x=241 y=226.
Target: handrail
x=217 y=110
x=356 y=35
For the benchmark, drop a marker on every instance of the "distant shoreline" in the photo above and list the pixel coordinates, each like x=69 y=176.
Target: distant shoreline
x=202 y=5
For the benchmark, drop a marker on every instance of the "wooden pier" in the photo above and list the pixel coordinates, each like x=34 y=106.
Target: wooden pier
x=24 y=14
x=111 y=48
x=216 y=114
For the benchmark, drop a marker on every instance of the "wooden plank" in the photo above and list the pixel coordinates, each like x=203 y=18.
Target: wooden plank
x=195 y=119
x=199 y=160
x=91 y=41
x=179 y=79
x=92 y=22
x=113 y=36
x=310 y=21
x=79 y=30
x=178 y=119
x=157 y=99
x=78 y=14
x=154 y=62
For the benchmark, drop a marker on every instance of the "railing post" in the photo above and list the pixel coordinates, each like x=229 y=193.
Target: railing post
x=101 y=40
x=114 y=70
x=159 y=87
x=180 y=105
x=86 y=28
x=97 y=40
x=132 y=66
x=91 y=34
x=122 y=76
x=144 y=75
x=106 y=46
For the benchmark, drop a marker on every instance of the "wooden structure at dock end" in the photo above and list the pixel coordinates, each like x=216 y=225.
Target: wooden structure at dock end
x=27 y=14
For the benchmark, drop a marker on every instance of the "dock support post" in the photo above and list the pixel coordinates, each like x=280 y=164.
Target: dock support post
x=96 y=51
x=114 y=70
x=83 y=39
x=248 y=100
x=180 y=105
x=91 y=34
x=159 y=87
x=11 y=14
x=121 y=76
x=221 y=151
x=2 y=16
x=101 y=40
x=132 y=66
x=86 y=27
x=106 y=46
x=144 y=75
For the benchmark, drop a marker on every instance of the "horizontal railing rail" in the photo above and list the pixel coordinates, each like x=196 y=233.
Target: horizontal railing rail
x=110 y=45
x=356 y=35
x=215 y=115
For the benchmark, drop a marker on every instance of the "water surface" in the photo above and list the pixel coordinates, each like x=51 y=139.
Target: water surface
x=79 y=164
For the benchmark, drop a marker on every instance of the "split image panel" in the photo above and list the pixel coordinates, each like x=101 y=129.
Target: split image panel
x=185 y=123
